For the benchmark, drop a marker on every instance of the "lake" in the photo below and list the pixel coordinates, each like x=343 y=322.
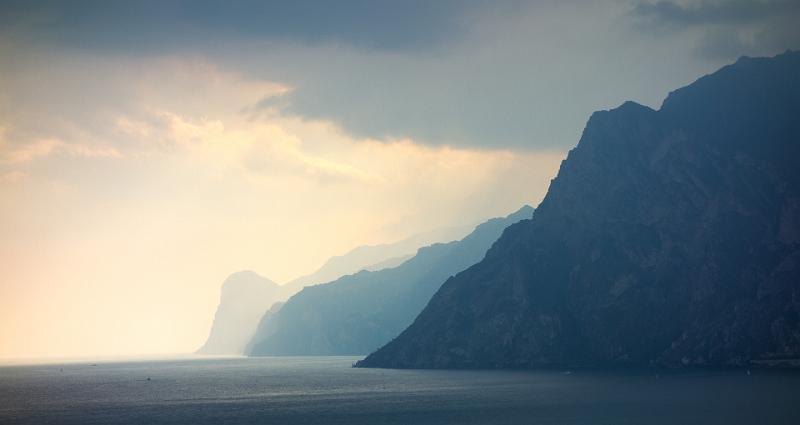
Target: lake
x=327 y=390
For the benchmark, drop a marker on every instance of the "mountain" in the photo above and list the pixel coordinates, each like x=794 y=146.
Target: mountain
x=389 y=263
x=264 y=325
x=668 y=238
x=358 y=313
x=244 y=297
x=375 y=257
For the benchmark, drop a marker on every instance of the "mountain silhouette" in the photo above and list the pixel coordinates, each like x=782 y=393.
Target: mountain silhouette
x=358 y=313
x=248 y=299
x=670 y=237
x=374 y=257
x=244 y=297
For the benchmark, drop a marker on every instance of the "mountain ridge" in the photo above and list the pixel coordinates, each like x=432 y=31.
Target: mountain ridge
x=238 y=318
x=668 y=238
x=357 y=313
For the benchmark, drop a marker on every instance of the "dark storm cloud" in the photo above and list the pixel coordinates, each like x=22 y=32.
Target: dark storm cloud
x=501 y=74
x=715 y=12
x=148 y=24
x=727 y=27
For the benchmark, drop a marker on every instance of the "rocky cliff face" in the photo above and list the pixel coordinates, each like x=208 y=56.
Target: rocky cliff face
x=244 y=297
x=669 y=237
x=358 y=313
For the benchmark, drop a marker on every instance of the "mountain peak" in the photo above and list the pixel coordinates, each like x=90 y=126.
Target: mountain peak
x=246 y=278
x=668 y=237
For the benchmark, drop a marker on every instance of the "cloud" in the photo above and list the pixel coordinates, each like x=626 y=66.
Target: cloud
x=264 y=148
x=704 y=12
x=726 y=28
x=47 y=147
x=513 y=74
x=177 y=24
x=12 y=177
x=202 y=186
x=527 y=81
x=457 y=73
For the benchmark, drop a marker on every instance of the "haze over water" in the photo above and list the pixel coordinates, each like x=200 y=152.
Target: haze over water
x=327 y=390
x=513 y=211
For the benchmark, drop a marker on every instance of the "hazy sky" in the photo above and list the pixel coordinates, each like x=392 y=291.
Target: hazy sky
x=148 y=149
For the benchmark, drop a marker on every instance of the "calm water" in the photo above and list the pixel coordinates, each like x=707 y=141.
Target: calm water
x=326 y=390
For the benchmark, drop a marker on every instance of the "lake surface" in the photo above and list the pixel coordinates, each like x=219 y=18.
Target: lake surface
x=326 y=390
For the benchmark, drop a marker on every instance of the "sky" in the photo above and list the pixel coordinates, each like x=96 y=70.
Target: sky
x=149 y=149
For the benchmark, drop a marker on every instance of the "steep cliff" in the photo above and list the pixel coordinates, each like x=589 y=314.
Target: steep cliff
x=669 y=237
x=358 y=313
x=244 y=297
